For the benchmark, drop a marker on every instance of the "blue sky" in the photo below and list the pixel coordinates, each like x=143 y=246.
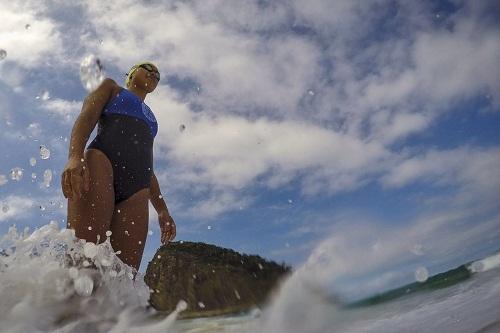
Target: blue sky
x=358 y=138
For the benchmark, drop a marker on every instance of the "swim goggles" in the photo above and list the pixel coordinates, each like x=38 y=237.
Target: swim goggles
x=147 y=66
x=151 y=69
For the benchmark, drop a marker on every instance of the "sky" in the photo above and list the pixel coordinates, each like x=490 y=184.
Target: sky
x=356 y=137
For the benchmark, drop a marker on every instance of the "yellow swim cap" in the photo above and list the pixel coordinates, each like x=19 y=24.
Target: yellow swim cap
x=134 y=68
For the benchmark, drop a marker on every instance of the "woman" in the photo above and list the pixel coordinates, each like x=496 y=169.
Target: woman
x=108 y=186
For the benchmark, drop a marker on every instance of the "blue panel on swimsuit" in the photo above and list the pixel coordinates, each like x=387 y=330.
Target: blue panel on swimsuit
x=129 y=104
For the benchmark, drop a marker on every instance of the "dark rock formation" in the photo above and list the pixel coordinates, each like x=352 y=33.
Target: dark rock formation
x=212 y=280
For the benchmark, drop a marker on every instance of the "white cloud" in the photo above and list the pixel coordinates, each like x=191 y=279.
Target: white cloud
x=474 y=170
x=236 y=71
x=28 y=47
x=255 y=67
x=15 y=207
x=64 y=109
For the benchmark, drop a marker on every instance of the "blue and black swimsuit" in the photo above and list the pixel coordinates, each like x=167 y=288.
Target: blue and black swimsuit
x=125 y=134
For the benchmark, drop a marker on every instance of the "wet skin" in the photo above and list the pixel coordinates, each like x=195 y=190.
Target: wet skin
x=87 y=182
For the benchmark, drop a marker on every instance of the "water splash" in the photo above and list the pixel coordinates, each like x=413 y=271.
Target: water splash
x=91 y=72
x=421 y=274
x=44 y=152
x=47 y=177
x=16 y=174
x=46 y=286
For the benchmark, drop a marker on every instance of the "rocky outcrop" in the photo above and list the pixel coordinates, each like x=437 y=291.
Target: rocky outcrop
x=212 y=280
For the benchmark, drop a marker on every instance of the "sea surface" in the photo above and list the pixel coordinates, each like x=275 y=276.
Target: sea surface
x=52 y=282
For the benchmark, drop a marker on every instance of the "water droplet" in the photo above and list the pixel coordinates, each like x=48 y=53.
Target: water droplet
x=42 y=207
x=140 y=242
x=33 y=175
x=290 y=201
x=3 y=180
x=209 y=227
x=90 y=228
x=5 y=208
x=3 y=54
x=311 y=92
x=84 y=286
x=201 y=305
x=91 y=72
x=181 y=306
x=108 y=233
x=101 y=41
x=90 y=249
x=32 y=161
x=47 y=177
x=237 y=294
x=150 y=233
x=260 y=266
x=126 y=233
x=16 y=174
x=421 y=274
x=27 y=27
x=182 y=127
x=417 y=249
x=44 y=152
x=158 y=256
x=119 y=211
x=45 y=95
x=160 y=196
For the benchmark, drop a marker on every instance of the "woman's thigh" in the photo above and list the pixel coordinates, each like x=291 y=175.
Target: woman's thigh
x=91 y=214
x=129 y=227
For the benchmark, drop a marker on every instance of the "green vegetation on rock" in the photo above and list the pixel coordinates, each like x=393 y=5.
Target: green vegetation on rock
x=212 y=280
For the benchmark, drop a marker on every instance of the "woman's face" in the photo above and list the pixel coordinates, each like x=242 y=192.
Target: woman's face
x=144 y=79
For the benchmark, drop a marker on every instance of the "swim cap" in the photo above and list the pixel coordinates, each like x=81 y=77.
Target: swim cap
x=134 y=68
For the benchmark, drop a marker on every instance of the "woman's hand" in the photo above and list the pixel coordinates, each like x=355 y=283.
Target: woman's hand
x=167 y=226
x=75 y=178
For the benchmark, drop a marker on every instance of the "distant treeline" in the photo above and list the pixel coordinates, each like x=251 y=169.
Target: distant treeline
x=438 y=281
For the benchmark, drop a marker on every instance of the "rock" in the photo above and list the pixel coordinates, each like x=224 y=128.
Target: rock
x=212 y=280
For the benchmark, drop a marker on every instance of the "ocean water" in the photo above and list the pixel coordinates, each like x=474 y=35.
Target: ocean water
x=52 y=282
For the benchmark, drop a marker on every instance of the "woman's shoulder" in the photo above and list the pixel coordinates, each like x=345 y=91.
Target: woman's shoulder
x=115 y=87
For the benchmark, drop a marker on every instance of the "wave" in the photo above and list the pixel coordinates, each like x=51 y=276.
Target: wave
x=52 y=281
x=485 y=264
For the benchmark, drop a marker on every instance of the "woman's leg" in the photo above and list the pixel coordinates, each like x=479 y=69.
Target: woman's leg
x=129 y=227
x=90 y=215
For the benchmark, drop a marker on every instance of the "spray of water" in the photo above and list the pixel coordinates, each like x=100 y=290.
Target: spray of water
x=52 y=281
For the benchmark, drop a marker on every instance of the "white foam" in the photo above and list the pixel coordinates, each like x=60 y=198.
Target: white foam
x=46 y=286
x=485 y=264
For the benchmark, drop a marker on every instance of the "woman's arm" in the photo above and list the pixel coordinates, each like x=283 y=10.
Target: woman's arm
x=88 y=117
x=167 y=224
x=156 y=196
x=75 y=177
